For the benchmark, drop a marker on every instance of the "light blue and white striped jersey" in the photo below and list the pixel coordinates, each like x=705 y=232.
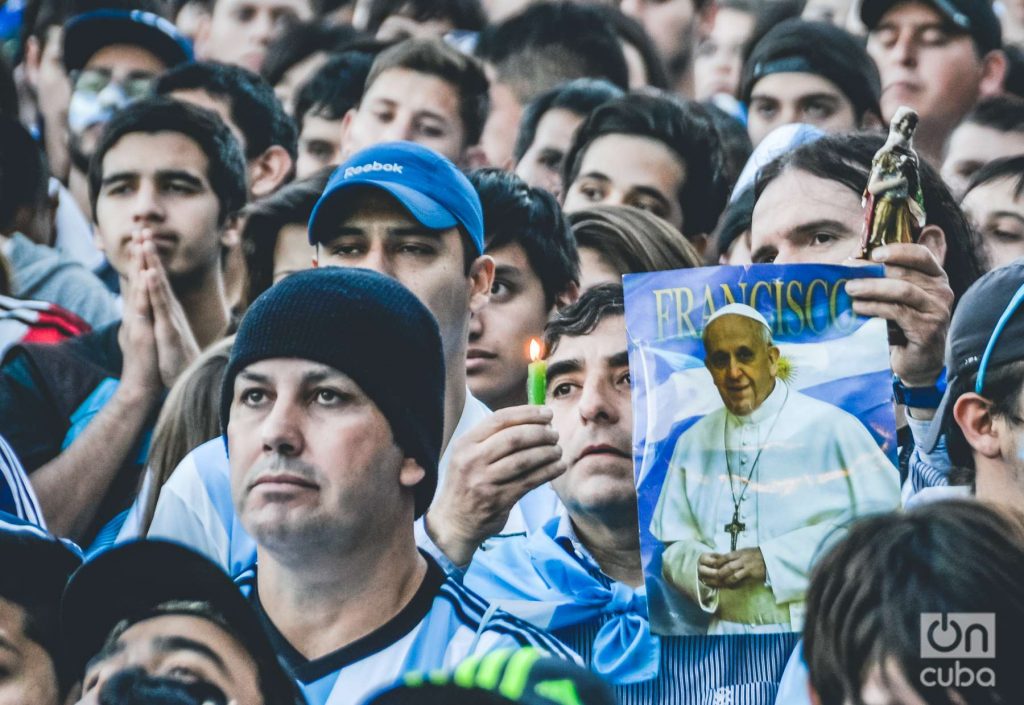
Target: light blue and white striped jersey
x=16 y=495
x=442 y=625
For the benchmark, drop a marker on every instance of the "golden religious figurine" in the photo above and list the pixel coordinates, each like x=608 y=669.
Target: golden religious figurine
x=893 y=202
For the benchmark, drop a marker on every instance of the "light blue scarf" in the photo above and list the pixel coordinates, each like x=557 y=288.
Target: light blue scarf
x=537 y=579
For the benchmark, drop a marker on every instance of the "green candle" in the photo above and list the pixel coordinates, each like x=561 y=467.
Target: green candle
x=536 y=376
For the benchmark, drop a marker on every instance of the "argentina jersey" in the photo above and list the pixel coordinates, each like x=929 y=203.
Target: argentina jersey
x=443 y=624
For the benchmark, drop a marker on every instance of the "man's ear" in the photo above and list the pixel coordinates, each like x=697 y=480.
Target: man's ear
x=346 y=129
x=993 y=73
x=934 y=239
x=411 y=473
x=231 y=233
x=973 y=414
x=33 y=56
x=568 y=296
x=269 y=171
x=773 y=359
x=202 y=36
x=481 y=279
x=475 y=158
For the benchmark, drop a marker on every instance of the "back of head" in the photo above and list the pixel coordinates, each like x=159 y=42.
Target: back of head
x=252 y=104
x=585 y=314
x=686 y=129
x=820 y=48
x=301 y=41
x=335 y=88
x=579 y=97
x=516 y=214
x=24 y=175
x=632 y=240
x=435 y=58
x=467 y=15
x=1003 y=113
x=549 y=43
x=872 y=595
x=846 y=159
x=632 y=33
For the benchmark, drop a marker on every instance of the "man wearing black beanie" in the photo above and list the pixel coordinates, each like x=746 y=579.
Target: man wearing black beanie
x=332 y=409
x=809 y=72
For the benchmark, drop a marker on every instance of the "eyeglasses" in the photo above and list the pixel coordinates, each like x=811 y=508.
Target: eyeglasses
x=94 y=81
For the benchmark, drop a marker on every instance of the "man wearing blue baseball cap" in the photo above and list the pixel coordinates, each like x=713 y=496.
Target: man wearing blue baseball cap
x=405 y=211
x=112 y=57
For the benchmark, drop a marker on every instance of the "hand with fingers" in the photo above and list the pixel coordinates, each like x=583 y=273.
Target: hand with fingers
x=141 y=372
x=492 y=467
x=915 y=295
x=175 y=342
x=730 y=570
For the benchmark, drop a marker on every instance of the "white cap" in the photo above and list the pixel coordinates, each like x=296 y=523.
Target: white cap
x=738 y=310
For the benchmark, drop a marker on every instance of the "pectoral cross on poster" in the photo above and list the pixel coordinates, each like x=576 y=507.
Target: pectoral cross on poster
x=735 y=528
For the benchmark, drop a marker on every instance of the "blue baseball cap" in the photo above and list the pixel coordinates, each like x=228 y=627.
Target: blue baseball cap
x=89 y=32
x=431 y=188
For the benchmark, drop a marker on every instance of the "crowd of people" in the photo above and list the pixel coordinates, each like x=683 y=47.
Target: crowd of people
x=269 y=270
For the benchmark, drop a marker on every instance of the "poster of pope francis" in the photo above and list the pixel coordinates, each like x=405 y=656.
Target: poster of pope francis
x=763 y=424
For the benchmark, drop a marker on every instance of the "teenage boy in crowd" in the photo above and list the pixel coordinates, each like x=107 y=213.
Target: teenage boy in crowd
x=333 y=413
x=419 y=221
x=36 y=568
x=652 y=153
x=545 y=131
x=536 y=271
x=582 y=569
x=937 y=57
x=809 y=72
x=165 y=181
x=112 y=57
x=422 y=91
x=152 y=613
x=994 y=129
x=994 y=205
x=239 y=32
x=542 y=47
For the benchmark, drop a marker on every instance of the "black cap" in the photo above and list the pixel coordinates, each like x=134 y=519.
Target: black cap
x=973 y=17
x=129 y=581
x=819 y=48
x=527 y=675
x=977 y=316
x=86 y=34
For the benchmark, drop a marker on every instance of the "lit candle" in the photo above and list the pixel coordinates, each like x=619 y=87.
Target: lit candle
x=536 y=376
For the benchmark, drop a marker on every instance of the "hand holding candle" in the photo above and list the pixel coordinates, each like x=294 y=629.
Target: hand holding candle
x=536 y=376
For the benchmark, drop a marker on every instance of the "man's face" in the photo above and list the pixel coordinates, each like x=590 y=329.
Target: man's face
x=670 y=24
x=292 y=251
x=113 y=77
x=27 y=676
x=159 y=182
x=406 y=105
x=498 y=333
x=741 y=363
x=972 y=146
x=379 y=234
x=627 y=170
x=924 y=65
x=802 y=218
x=312 y=457
x=541 y=165
x=181 y=647
x=784 y=98
x=239 y=31
x=718 y=61
x=319 y=145
x=589 y=396
x=996 y=212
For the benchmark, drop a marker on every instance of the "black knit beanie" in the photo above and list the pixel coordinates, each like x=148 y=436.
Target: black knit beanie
x=367 y=326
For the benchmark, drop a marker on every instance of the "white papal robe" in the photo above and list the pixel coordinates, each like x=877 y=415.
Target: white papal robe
x=818 y=467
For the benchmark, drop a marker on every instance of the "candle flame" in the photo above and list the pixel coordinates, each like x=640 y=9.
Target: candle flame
x=534 y=349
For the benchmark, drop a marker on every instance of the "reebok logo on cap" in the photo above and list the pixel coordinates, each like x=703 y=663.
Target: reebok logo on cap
x=373 y=166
